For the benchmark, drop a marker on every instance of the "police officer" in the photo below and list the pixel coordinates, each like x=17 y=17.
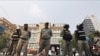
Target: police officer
x=67 y=37
x=23 y=41
x=45 y=37
x=15 y=37
x=81 y=39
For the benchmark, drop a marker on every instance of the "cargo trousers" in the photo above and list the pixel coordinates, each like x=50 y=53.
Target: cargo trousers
x=22 y=44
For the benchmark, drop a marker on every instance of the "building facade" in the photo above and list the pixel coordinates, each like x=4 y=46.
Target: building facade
x=35 y=34
x=7 y=27
x=90 y=24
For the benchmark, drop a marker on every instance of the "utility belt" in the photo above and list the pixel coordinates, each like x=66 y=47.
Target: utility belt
x=15 y=39
x=24 y=38
x=45 y=38
x=82 y=39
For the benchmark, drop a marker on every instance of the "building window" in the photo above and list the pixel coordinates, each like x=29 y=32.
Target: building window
x=56 y=34
x=34 y=34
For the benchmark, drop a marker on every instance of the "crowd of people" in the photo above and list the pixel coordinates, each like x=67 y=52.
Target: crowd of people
x=20 y=40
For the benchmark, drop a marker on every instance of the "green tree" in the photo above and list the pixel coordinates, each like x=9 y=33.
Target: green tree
x=3 y=41
x=92 y=34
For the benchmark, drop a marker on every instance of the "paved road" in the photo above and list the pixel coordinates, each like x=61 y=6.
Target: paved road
x=1 y=54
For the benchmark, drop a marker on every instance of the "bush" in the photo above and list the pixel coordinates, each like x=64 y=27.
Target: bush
x=3 y=41
x=92 y=35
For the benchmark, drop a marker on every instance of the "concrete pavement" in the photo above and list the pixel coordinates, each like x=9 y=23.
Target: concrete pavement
x=1 y=54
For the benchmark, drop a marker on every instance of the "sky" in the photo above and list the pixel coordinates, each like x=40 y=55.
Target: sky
x=70 y=12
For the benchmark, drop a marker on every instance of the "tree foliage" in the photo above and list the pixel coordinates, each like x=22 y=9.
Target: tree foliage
x=92 y=34
x=3 y=41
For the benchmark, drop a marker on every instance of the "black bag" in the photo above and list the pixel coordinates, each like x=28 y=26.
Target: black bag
x=67 y=36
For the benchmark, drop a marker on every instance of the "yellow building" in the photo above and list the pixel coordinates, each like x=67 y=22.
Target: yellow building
x=35 y=34
x=35 y=31
x=9 y=27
